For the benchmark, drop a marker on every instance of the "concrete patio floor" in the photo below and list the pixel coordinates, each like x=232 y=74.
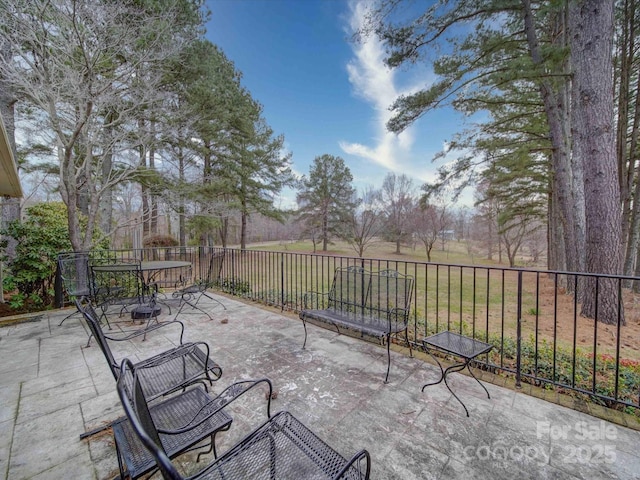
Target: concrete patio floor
x=52 y=390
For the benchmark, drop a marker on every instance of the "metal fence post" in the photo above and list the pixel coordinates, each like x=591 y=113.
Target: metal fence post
x=282 y=282
x=519 y=332
x=57 y=288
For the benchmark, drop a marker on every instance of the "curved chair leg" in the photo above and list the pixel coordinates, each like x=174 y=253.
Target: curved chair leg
x=68 y=316
x=304 y=324
x=204 y=294
x=386 y=378
x=184 y=302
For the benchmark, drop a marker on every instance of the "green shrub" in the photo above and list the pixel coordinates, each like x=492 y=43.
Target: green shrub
x=576 y=371
x=42 y=234
x=40 y=237
x=234 y=286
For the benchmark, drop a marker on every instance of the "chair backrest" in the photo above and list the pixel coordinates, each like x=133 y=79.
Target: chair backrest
x=74 y=271
x=391 y=292
x=120 y=280
x=137 y=411
x=93 y=323
x=350 y=290
x=215 y=267
x=385 y=294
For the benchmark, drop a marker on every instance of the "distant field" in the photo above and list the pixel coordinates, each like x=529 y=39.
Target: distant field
x=454 y=251
x=479 y=298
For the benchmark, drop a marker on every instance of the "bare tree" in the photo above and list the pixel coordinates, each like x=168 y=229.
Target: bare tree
x=366 y=222
x=397 y=200
x=514 y=231
x=430 y=223
x=79 y=63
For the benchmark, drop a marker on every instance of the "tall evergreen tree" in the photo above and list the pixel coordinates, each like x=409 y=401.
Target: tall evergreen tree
x=326 y=199
x=508 y=47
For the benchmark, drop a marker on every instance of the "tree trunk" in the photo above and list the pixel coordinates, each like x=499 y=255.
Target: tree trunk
x=556 y=238
x=243 y=228
x=633 y=242
x=182 y=232
x=224 y=231
x=106 y=199
x=626 y=162
x=556 y=105
x=69 y=194
x=490 y=235
x=78 y=155
x=591 y=34
x=325 y=231
x=144 y=191
x=153 y=198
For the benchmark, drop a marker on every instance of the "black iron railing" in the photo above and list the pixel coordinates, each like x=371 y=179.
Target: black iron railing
x=533 y=317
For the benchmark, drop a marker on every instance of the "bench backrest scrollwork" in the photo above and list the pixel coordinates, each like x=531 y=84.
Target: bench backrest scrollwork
x=381 y=294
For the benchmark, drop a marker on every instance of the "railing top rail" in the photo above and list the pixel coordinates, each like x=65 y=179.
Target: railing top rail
x=440 y=264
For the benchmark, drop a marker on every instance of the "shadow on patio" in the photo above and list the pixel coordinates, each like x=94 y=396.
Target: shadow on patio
x=52 y=390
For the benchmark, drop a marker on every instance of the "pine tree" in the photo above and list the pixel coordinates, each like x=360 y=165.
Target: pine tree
x=326 y=198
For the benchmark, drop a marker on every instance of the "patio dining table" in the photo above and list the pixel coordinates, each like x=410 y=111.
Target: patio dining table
x=150 y=269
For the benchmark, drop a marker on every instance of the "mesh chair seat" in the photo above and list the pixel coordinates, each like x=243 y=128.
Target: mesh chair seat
x=169 y=415
x=284 y=448
x=145 y=312
x=175 y=368
x=191 y=413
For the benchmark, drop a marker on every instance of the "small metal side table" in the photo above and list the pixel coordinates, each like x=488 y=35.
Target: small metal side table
x=460 y=346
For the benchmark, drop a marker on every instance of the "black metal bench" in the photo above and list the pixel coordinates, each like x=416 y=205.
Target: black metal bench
x=372 y=303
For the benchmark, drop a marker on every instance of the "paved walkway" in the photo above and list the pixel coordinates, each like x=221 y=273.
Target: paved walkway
x=52 y=390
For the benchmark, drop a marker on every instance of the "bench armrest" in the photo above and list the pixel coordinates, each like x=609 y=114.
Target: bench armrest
x=311 y=300
x=227 y=396
x=397 y=315
x=398 y=311
x=356 y=461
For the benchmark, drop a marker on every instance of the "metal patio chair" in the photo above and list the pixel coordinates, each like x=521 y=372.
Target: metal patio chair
x=166 y=372
x=191 y=294
x=281 y=448
x=120 y=284
x=77 y=281
x=183 y=421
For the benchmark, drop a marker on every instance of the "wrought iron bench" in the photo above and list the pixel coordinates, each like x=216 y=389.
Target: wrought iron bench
x=372 y=303
x=282 y=447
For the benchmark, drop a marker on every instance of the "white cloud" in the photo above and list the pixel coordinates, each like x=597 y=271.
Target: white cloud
x=375 y=83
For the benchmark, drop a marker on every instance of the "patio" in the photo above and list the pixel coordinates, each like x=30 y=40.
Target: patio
x=52 y=390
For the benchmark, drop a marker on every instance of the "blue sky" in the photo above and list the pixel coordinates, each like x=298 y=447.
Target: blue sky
x=325 y=93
